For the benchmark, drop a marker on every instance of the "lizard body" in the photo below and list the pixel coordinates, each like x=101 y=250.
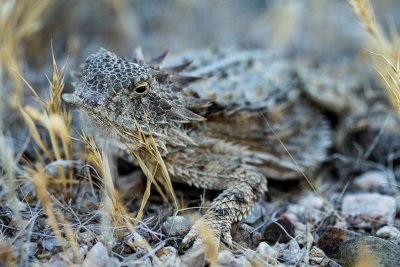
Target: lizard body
x=244 y=121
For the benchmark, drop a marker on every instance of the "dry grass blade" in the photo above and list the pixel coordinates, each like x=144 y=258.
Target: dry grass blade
x=56 y=123
x=56 y=86
x=154 y=168
x=115 y=215
x=210 y=243
x=18 y=21
x=34 y=131
x=54 y=119
x=365 y=13
x=386 y=52
x=40 y=181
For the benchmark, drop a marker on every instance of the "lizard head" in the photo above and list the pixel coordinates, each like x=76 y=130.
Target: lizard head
x=116 y=93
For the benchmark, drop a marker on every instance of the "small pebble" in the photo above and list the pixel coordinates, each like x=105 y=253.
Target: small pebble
x=312 y=201
x=318 y=258
x=372 y=181
x=87 y=237
x=97 y=256
x=246 y=235
x=267 y=251
x=242 y=262
x=280 y=231
x=51 y=244
x=168 y=255
x=388 y=232
x=226 y=258
x=170 y=251
x=368 y=210
x=290 y=253
x=305 y=213
x=177 y=226
x=194 y=257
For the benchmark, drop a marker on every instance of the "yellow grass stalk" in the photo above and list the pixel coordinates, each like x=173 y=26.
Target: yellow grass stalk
x=54 y=119
x=153 y=167
x=34 y=131
x=210 y=243
x=386 y=52
x=18 y=21
x=40 y=181
x=115 y=215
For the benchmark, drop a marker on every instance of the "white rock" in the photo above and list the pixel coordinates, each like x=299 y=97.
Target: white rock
x=388 y=232
x=371 y=180
x=97 y=256
x=242 y=262
x=312 y=201
x=368 y=210
x=226 y=258
x=267 y=251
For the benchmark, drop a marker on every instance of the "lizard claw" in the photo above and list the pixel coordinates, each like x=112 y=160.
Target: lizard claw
x=226 y=235
x=208 y=230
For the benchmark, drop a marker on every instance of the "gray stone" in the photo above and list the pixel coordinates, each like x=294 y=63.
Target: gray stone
x=177 y=226
x=369 y=251
x=280 y=231
x=255 y=215
x=226 y=258
x=246 y=235
x=194 y=257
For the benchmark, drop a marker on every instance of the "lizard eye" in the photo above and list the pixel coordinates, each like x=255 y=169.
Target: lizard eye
x=141 y=88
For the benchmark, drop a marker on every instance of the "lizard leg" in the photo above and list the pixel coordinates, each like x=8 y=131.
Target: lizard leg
x=218 y=165
x=230 y=206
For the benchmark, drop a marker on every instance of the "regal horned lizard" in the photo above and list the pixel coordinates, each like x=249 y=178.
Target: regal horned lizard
x=257 y=126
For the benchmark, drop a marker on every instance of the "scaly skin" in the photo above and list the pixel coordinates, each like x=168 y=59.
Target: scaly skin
x=257 y=126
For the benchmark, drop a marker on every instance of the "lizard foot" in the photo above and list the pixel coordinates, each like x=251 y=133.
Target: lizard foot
x=209 y=229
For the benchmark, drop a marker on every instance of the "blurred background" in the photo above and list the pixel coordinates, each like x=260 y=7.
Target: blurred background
x=77 y=28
